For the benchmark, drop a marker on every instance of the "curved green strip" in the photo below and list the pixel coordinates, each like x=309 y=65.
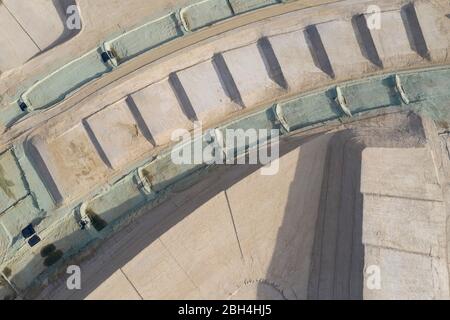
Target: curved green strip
x=65 y=80
x=144 y=38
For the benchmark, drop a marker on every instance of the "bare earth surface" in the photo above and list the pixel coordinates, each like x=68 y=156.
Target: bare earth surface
x=310 y=231
x=359 y=208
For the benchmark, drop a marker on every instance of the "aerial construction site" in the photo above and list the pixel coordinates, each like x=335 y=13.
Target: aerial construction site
x=224 y=149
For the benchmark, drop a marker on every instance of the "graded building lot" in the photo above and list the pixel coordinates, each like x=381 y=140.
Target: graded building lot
x=127 y=140
x=29 y=28
x=161 y=111
x=21 y=46
x=209 y=106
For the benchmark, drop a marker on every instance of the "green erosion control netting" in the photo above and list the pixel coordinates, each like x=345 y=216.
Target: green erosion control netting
x=63 y=81
x=242 y=6
x=72 y=76
x=205 y=13
x=427 y=92
x=144 y=38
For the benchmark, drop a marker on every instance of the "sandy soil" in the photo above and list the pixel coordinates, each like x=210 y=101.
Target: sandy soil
x=219 y=240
